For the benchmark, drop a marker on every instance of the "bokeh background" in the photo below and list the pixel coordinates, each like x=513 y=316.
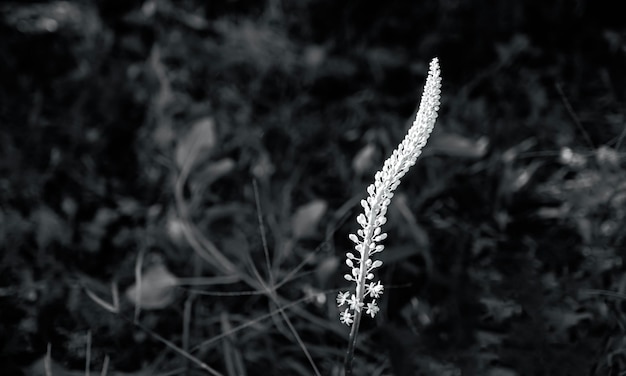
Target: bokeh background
x=178 y=180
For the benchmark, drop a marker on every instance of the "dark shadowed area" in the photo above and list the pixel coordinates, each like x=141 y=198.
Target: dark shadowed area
x=178 y=180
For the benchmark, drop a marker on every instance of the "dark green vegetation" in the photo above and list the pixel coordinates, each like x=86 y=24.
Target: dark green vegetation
x=132 y=133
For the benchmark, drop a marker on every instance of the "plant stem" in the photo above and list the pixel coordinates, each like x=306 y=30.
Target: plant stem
x=360 y=289
x=352 y=344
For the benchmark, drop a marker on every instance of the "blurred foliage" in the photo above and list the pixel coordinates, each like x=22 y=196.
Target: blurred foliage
x=132 y=133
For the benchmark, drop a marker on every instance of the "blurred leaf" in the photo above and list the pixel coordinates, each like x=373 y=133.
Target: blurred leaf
x=306 y=218
x=13 y=228
x=156 y=289
x=112 y=307
x=93 y=232
x=314 y=56
x=514 y=152
x=326 y=270
x=50 y=228
x=50 y=17
x=40 y=368
x=201 y=138
x=454 y=145
x=363 y=161
x=130 y=207
x=515 y=179
x=488 y=339
x=499 y=311
x=254 y=43
x=212 y=172
x=403 y=347
x=501 y=371
x=562 y=320
x=608 y=157
x=416 y=231
x=510 y=50
x=406 y=356
x=434 y=367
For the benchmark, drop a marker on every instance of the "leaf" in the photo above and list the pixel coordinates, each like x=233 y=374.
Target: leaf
x=93 y=232
x=455 y=145
x=51 y=17
x=501 y=371
x=326 y=269
x=113 y=307
x=44 y=367
x=50 y=228
x=314 y=56
x=201 y=138
x=363 y=161
x=155 y=290
x=211 y=172
x=500 y=310
x=306 y=218
x=407 y=357
x=562 y=320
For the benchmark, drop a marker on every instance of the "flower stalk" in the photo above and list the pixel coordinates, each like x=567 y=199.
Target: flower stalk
x=367 y=239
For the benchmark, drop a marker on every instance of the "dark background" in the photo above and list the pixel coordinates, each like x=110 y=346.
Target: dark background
x=147 y=138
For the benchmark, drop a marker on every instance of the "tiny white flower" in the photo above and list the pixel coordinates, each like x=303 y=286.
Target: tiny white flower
x=346 y=317
x=342 y=298
x=372 y=309
x=375 y=290
x=355 y=305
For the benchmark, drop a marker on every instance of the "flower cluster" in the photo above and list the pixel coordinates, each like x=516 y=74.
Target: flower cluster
x=367 y=239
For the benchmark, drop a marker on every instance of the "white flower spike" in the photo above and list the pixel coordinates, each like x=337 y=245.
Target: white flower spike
x=380 y=193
